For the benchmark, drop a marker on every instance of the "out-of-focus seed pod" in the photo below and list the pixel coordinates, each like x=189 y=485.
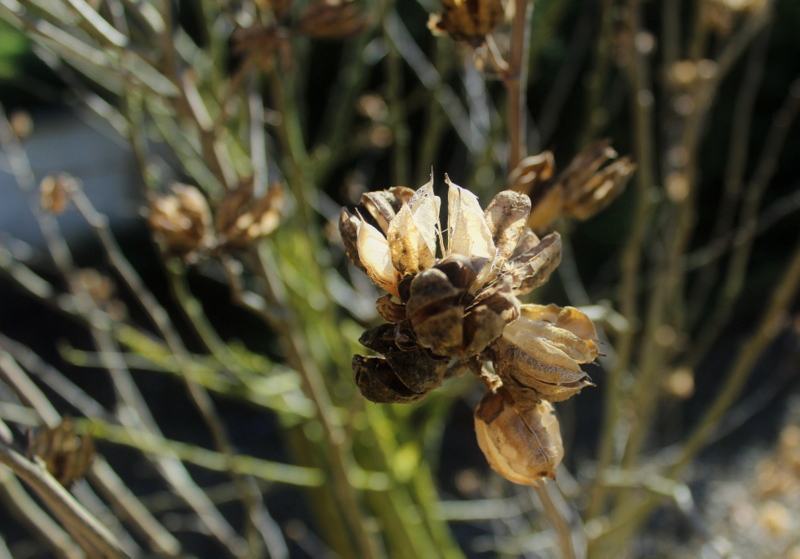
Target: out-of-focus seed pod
x=521 y=442
x=21 y=124
x=182 y=221
x=66 y=456
x=279 y=8
x=242 y=219
x=332 y=19
x=54 y=192
x=580 y=191
x=467 y=20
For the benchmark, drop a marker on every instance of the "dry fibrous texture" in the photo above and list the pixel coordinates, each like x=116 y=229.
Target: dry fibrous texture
x=454 y=306
x=332 y=19
x=580 y=191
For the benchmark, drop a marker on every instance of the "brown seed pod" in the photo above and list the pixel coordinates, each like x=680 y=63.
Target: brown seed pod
x=521 y=442
x=66 y=456
x=467 y=20
x=378 y=382
x=54 y=192
x=241 y=219
x=182 y=221
x=540 y=355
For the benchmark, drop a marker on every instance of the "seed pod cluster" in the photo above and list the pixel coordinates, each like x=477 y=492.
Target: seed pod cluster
x=584 y=188
x=182 y=221
x=452 y=306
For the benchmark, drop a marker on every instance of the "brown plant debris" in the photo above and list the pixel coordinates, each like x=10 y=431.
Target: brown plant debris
x=467 y=20
x=66 y=456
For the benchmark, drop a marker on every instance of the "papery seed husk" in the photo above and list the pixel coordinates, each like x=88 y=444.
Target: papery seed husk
x=468 y=233
x=506 y=216
x=533 y=335
x=534 y=176
x=599 y=190
x=383 y=205
x=410 y=252
x=424 y=207
x=523 y=444
x=568 y=318
x=585 y=164
x=442 y=332
x=375 y=255
x=532 y=268
x=378 y=383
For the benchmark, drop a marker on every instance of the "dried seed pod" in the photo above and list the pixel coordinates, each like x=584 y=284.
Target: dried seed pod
x=54 y=192
x=467 y=20
x=67 y=456
x=580 y=191
x=241 y=219
x=182 y=221
x=521 y=442
x=378 y=382
x=390 y=310
x=332 y=19
x=531 y=268
x=412 y=365
x=260 y=43
x=539 y=355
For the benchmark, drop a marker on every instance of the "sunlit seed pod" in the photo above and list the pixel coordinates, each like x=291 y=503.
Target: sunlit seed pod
x=521 y=442
x=378 y=382
x=530 y=269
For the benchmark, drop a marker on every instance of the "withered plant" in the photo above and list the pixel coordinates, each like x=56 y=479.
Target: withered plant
x=281 y=145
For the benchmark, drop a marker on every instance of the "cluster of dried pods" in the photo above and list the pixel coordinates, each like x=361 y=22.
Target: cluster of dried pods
x=183 y=222
x=460 y=311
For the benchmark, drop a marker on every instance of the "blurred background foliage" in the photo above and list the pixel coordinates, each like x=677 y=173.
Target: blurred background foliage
x=234 y=423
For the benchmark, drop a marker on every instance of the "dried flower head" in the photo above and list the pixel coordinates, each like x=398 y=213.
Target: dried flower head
x=332 y=19
x=521 y=442
x=54 y=192
x=67 y=456
x=182 y=221
x=580 y=191
x=452 y=306
x=467 y=20
x=241 y=219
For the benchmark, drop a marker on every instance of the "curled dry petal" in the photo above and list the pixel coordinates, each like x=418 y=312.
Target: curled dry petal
x=521 y=443
x=383 y=205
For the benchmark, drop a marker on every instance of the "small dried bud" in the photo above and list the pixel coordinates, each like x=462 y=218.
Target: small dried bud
x=467 y=20
x=21 y=124
x=66 y=455
x=240 y=219
x=182 y=221
x=521 y=443
x=542 y=351
x=55 y=192
x=332 y=19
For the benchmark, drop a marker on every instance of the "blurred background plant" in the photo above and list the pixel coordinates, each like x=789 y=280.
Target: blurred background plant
x=206 y=379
